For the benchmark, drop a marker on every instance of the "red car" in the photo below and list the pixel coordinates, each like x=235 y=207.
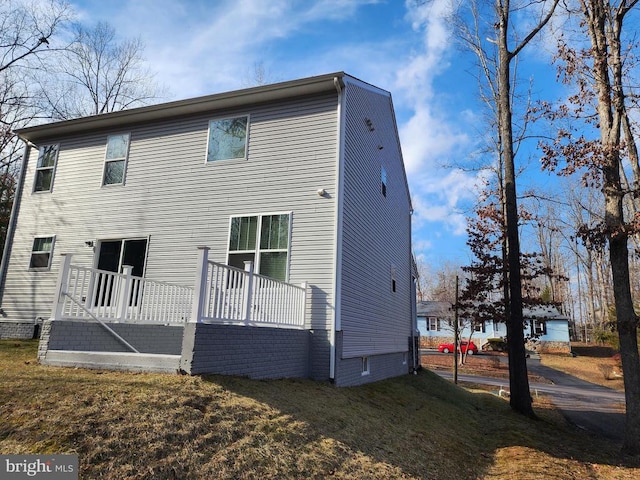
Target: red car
x=467 y=347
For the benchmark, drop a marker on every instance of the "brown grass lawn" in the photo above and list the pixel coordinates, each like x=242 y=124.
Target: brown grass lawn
x=594 y=364
x=161 y=426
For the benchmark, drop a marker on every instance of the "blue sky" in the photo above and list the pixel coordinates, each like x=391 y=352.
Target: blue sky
x=198 y=47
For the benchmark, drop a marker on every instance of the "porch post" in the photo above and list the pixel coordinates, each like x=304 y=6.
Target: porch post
x=61 y=286
x=124 y=294
x=200 y=287
x=303 y=312
x=248 y=290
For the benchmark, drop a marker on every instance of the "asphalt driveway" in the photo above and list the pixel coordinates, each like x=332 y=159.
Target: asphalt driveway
x=588 y=406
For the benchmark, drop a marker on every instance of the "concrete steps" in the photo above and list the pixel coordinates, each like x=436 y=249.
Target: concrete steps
x=134 y=362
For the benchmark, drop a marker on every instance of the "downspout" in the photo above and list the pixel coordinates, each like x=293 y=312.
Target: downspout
x=336 y=325
x=414 y=313
x=13 y=219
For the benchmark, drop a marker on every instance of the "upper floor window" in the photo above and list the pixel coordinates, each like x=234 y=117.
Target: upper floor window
x=227 y=138
x=262 y=239
x=393 y=278
x=41 y=253
x=383 y=181
x=45 y=168
x=115 y=161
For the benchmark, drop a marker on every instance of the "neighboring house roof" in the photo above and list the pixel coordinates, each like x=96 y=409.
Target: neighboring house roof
x=434 y=309
x=444 y=309
x=543 y=312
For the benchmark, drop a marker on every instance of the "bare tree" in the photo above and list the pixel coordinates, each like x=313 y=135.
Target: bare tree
x=259 y=75
x=487 y=29
x=26 y=36
x=600 y=71
x=97 y=74
x=604 y=21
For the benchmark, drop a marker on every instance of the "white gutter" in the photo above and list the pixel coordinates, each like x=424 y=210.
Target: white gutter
x=336 y=324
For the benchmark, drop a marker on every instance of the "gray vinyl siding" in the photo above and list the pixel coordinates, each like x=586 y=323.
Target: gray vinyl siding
x=376 y=231
x=177 y=201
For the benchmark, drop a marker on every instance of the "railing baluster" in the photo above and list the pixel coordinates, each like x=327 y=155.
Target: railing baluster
x=224 y=299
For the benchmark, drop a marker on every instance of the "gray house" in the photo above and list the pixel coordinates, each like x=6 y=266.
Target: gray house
x=264 y=232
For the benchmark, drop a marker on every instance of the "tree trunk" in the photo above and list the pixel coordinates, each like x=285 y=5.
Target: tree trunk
x=520 y=398
x=604 y=24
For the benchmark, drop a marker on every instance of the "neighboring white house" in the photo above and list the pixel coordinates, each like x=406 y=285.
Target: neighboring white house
x=548 y=329
x=301 y=184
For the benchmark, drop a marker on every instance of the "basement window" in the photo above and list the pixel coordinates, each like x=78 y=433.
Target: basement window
x=365 y=366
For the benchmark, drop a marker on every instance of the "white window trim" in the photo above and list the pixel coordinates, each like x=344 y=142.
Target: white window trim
x=246 y=140
x=258 y=250
x=366 y=366
x=539 y=327
x=53 y=168
x=98 y=242
x=53 y=244
x=119 y=159
x=436 y=322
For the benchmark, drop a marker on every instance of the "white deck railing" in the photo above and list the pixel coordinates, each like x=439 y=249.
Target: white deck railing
x=222 y=294
x=85 y=293
x=230 y=295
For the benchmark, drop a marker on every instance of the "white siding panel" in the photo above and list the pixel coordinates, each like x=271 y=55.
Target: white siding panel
x=376 y=231
x=179 y=201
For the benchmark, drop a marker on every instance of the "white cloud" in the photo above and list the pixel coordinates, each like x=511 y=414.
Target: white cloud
x=431 y=136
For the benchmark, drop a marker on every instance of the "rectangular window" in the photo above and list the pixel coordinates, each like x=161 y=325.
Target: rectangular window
x=365 y=366
x=41 y=253
x=434 y=324
x=540 y=327
x=479 y=327
x=393 y=278
x=383 y=181
x=227 y=139
x=45 y=168
x=262 y=239
x=115 y=162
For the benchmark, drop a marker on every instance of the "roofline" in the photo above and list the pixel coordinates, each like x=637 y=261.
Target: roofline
x=218 y=101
